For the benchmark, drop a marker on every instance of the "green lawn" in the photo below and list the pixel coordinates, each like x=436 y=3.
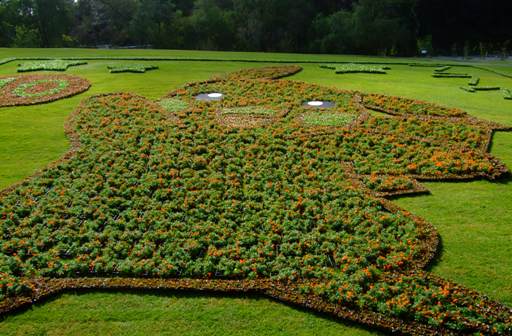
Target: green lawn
x=473 y=218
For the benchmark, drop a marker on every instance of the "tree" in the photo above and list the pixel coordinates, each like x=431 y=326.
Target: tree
x=105 y=21
x=371 y=27
x=210 y=26
x=53 y=19
x=273 y=25
x=155 y=23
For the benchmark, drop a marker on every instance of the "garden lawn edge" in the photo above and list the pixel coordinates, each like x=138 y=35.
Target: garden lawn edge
x=281 y=291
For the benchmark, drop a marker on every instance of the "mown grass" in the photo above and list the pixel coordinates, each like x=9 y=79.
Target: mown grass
x=473 y=218
x=103 y=313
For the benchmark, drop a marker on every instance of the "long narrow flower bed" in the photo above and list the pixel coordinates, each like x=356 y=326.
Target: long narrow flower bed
x=355 y=68
x=188 y=202
x=132 y=68
x=36 y=89
x=53 y=65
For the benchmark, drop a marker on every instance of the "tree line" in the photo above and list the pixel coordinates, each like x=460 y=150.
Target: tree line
x=379 y=27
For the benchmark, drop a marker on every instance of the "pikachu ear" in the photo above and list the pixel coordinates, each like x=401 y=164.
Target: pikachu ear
x=275 y=72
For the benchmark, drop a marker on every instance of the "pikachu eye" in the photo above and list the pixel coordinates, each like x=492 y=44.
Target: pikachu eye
x=212 y=96
x=320 y=104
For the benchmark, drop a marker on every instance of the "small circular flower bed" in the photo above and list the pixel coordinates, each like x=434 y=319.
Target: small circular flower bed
x=36 y=89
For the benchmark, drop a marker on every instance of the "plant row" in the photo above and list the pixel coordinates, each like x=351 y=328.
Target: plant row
x=54 y=65
x=450 y=75
x=355 y=68
x=132 y=68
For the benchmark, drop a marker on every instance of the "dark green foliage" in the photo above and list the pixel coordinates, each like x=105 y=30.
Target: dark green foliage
x=450 y=75
x=390 y=27
x=487 y=88
x=443 y=69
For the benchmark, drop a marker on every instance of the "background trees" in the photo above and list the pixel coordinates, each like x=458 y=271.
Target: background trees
x=386 y=27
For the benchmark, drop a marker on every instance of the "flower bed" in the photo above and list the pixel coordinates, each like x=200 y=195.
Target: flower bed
x=450 y=75
x=355 y=68
x=133 y=68
x=5 y=81
x=487 y=88
x=54 y=65
x=149 y=201
x=266 y=73
x=36 y=89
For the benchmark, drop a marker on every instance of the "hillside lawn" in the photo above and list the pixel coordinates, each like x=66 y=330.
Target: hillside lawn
x=473 y=218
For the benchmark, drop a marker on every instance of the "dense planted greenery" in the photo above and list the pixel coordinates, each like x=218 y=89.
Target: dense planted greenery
x=133 y=68
x=53 y=65
x=355 y=68
x=166 y=192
